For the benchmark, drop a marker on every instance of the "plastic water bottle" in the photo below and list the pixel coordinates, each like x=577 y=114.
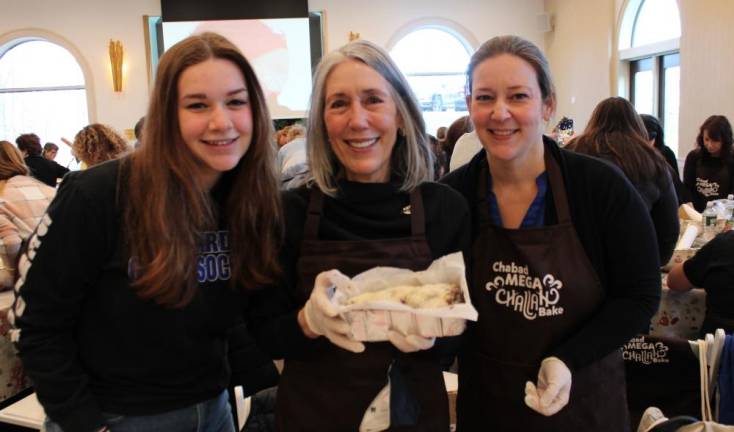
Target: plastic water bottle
x=729 y=213
x=709 y=221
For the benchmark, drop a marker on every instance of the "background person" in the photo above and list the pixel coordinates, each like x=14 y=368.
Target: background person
x=616 y=133
x=369 y=204
x=98 y=143
x=656 y=138
x=50 y=150
x=23 y=201
x=47 y=171
x=564 y=265
x=708 y=173
x=136 y=275
x=712 y=268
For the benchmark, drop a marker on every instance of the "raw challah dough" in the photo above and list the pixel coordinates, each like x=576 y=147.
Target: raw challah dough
x=418 y=297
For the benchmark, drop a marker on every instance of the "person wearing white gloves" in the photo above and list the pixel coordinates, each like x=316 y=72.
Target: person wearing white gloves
x=369 y=204
x=564 y=262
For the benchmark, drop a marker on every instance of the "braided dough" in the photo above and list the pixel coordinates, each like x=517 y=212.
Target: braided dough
x=418 y=297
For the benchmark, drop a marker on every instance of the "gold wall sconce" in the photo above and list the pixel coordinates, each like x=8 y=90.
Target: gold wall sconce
x=353 y=36
x=116 y=54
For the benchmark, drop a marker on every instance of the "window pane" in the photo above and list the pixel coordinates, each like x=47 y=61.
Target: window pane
x=658 y=20
x=643 y=92
x=434 y=61
x=49 y=114
x=430 y=50
x=670 y=110
x=39 y=64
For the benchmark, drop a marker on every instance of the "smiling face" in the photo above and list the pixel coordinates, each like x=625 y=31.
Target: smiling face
x=712 y=146
x=507 y=108
x=214 y=116
x=361 y=121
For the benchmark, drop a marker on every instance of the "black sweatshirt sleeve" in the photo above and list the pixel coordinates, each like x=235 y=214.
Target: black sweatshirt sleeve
x=620 y=239
x=689 y=174
x=65 y=250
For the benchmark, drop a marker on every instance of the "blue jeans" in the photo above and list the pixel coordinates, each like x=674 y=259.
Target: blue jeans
x=213 y=415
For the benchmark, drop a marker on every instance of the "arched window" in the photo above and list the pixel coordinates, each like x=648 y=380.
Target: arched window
x=434 y=59
x=42 y=91
x=649 y=41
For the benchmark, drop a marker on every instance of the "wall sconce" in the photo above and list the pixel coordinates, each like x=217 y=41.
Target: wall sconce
x=116 y=64
x=353 y=36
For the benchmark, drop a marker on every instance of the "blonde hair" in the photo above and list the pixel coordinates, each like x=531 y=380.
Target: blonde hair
x=412 y=159
x=98 y=143
x=11 y=161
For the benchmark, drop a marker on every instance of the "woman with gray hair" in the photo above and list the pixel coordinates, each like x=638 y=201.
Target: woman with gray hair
x=369 y=203
x=564 y=263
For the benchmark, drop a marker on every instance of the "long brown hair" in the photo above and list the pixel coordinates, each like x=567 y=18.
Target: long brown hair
x=169 y=208
x=719 y=129
x=97 y=143
x=11 y=161
x=616 y=133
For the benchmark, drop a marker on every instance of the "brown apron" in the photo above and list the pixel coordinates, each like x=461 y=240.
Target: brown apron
x=662 y=372
x=533 y=288
x=331 y=388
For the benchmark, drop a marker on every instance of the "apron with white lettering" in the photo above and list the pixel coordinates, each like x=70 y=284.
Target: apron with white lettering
x=534 y=288
x=330 y=389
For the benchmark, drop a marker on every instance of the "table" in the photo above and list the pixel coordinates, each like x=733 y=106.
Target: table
x=680 y=313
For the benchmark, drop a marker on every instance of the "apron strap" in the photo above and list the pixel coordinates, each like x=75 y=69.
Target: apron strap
x=313 y=214
x=417 y=214
x=555 y=178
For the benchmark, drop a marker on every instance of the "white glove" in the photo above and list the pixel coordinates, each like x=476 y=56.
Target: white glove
x=322 y=317
x=553 y=390
x=410 y=343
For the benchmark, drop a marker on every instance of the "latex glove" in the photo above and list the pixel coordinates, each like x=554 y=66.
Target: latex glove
x=322 y=317
x=410 y=343
x=553 y=389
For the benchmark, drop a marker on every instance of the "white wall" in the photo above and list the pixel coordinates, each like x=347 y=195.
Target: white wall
x=581 y=51
x=379 y=20
x=707 y=65
x=578 y=50
x=86 y=27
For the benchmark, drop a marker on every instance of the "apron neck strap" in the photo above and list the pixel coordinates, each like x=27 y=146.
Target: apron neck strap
x=316 y=205
x=417 y=215
x=313 y=214
x=555 y=178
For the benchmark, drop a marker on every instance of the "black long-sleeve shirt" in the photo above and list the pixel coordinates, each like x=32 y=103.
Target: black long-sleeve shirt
x=707 y=178
x=90 y=344
x=364 y=211
x=617 y=235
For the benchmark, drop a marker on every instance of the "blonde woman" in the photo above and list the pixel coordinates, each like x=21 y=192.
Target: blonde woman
x=23 y=201
x=98 y=143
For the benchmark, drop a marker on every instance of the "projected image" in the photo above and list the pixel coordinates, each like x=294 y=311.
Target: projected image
x=278 y=49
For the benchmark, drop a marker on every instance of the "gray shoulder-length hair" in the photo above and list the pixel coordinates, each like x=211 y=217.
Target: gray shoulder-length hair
x=411 y=160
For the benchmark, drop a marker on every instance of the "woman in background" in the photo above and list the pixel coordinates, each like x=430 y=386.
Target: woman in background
x=23 y=201
x=708 y=173
x=47 y=171
x=564 y=264
x=135 y=280
x=98 y=143
x=616 y=133
x=656 y=138
x=370 y=203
